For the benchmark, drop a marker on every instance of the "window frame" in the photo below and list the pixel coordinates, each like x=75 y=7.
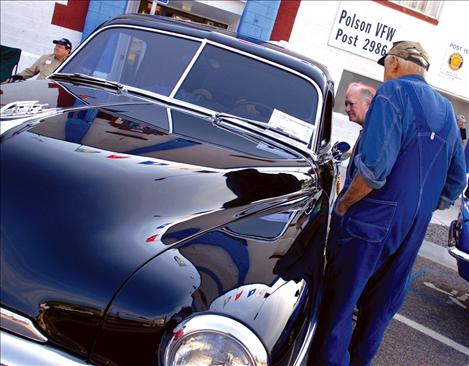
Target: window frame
x=403 y=8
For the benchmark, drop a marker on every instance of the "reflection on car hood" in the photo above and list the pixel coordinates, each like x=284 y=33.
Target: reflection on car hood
x=88 y=197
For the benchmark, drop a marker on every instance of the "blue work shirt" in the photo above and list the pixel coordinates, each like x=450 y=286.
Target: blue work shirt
x=390 y=126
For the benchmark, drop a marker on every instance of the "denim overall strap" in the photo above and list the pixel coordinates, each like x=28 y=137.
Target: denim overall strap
x=424 y=134
x=421 y=119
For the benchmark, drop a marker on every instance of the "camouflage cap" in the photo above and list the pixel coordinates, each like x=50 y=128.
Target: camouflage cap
x=408 y=50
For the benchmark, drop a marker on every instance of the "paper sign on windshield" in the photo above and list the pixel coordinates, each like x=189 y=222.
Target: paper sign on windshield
x=291 y=126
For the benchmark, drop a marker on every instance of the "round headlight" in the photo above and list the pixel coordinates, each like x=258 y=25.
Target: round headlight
x=209 y=340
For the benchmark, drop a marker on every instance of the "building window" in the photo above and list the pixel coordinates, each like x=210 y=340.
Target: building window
x=183 y=13
x=428 y=7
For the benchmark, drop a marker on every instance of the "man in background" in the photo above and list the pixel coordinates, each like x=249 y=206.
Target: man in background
x=46 y=64
x=462 y=127
x=357 y=101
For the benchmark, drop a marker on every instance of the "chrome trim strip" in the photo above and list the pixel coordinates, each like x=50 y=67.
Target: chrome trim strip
x=20 y=325
x=21 y=109
x=188 y=69
x=459 y=254
x=213 y=323
x=308 y=340
x=16 y=351
x=306 y=344
x=170 y=120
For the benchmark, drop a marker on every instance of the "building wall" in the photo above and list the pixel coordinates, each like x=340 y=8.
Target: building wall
x=76 y=19
x=21 y=20
x=317 y=23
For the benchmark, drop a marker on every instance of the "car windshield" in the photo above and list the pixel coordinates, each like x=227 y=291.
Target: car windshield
x=146 y=60
x=229 y=82
x=221 y=80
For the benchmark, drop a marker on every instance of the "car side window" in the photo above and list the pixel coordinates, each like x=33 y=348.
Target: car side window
x=326 y=127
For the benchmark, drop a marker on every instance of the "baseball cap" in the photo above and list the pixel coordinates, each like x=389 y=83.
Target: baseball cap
x=64 y=42
x=408 y=50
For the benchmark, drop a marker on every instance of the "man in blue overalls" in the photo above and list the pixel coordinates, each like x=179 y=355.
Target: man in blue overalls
x=409 y=161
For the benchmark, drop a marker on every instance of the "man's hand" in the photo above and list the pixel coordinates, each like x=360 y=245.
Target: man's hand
x=16 y=78
x=341 y=208
x=358 y=189
x=444 y=204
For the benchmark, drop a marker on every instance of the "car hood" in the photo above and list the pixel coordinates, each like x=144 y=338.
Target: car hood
x=90 y=195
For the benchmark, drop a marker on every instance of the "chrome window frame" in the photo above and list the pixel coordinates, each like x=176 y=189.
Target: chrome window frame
x=310 y=146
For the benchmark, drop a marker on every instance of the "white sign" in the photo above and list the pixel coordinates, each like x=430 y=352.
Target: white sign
x=291 y=126
x=362 y=32
x=453 y=66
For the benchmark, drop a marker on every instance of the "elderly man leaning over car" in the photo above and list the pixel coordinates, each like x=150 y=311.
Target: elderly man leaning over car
x=408 y=163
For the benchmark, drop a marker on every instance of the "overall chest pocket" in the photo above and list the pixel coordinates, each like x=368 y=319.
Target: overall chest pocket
x=371 y=220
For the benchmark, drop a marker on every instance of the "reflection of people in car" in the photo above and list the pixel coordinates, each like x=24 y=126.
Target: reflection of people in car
x=462 y=127
x=201 y=95
x=243 y=108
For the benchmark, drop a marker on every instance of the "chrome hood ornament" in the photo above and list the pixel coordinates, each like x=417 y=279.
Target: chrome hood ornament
x=21 y=109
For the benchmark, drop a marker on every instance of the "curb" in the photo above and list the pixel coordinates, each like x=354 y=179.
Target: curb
x=438 y=254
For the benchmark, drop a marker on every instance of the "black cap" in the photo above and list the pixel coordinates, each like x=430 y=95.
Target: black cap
x=64 y=42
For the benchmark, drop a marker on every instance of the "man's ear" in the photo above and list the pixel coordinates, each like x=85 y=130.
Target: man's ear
x=394 y=64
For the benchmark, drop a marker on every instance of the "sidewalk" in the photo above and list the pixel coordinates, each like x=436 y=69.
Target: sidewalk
x=435 y=252
x=444 y=217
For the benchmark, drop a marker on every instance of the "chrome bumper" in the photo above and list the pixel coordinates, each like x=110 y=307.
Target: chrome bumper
x=459 y=254
x=17 y=351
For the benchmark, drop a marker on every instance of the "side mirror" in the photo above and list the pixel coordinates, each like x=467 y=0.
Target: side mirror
x=340 y=151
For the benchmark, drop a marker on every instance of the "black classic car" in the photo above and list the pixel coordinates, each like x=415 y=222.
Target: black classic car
x=165 y=200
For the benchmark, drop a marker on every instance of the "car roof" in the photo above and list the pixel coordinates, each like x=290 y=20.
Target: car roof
x=272 y=52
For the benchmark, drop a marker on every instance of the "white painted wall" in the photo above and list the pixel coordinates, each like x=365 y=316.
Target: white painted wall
x=27 y=25
x=315 y=21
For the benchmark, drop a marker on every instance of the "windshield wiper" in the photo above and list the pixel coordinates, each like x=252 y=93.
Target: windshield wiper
x=219 y=117
x=121 y=88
